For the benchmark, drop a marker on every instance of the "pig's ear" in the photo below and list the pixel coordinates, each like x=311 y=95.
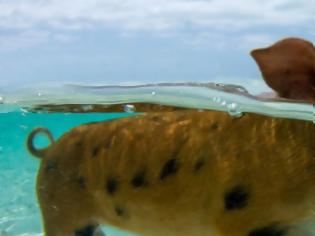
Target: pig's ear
x=268 y=65
x=255 y=54
x=288 y=67
x=259 y=56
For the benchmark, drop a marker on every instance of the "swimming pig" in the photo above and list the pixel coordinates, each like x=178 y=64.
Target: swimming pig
x=288 y=67
x=180 y=173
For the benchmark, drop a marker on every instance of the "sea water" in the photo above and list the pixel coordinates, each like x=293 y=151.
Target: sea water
x=19 y=212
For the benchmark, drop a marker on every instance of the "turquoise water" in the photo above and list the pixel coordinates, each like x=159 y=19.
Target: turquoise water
x=19 y=212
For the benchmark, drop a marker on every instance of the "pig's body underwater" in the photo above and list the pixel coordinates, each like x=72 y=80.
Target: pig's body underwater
x=198 y=173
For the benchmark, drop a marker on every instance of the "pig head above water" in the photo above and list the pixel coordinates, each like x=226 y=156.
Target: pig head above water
x=288 y=67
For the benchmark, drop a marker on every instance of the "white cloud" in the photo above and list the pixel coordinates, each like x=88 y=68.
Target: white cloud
x=211 y=21
x=155 y=14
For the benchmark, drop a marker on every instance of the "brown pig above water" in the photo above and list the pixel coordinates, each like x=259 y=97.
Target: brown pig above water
x=288 y=67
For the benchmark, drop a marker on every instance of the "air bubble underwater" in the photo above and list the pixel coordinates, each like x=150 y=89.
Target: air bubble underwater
x=129 y=108
x=1 y=100
x=217 y=100
x=87 y=107
x=24 y=111
x=234 y=109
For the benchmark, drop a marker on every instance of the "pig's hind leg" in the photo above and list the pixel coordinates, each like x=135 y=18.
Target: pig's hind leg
x=66 y=204
x=67 y=208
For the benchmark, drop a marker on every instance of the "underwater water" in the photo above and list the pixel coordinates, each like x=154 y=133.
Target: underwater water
x=19 y=212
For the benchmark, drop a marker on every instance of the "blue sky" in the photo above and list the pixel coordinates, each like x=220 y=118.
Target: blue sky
x=140 y=41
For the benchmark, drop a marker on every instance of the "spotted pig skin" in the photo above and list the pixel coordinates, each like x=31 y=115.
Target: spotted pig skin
x=181 y=173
